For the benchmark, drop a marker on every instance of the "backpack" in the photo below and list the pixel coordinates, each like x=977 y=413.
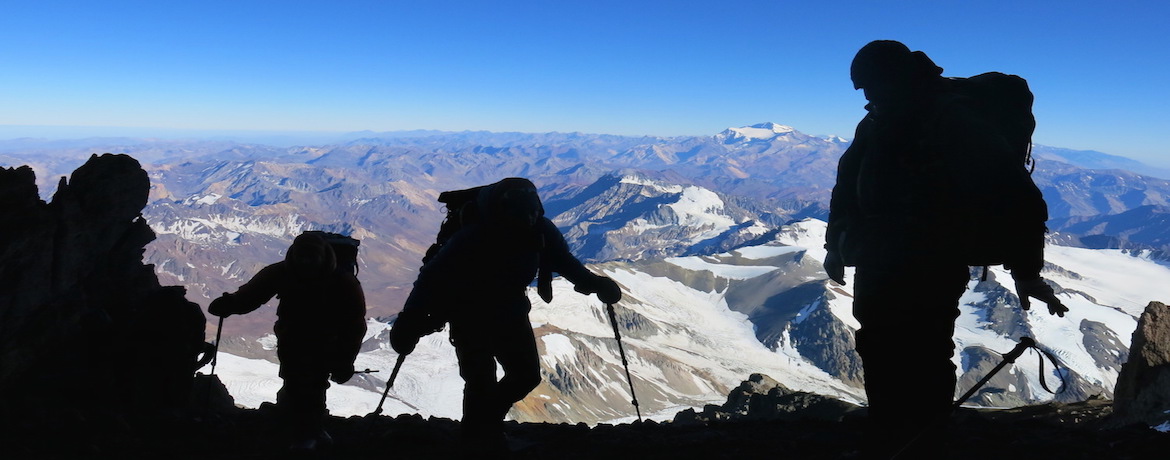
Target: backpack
x=345 y=249
x=465 y=208
x=999 y=212
x=462 y=210
x=1006 y=102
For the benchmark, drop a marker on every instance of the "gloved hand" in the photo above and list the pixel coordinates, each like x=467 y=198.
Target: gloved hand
x=1039 y=289
x=404 y=333
x=835 y=267
x=342 y=374
x=223 y=306
x=606 y=288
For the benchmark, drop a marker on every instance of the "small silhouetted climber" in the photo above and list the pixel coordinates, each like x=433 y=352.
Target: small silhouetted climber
x=897 y=214
x=319 y=329
x=477 y=281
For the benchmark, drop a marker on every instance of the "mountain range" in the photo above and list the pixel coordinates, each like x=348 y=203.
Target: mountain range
x=716 y=241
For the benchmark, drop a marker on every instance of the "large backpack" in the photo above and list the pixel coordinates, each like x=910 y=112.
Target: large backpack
x=1005 y=102
x=999 y=212
x=345 y=249
x=464 y=210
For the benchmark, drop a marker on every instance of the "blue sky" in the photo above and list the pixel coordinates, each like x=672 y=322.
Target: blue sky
x=623 y=67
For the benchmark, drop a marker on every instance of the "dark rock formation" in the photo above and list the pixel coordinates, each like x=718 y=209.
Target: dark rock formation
x=1142 y=394
x=87 y=334
x=1054 y=430
x=762 y=398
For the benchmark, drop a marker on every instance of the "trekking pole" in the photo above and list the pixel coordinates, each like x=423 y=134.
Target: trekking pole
x=215 y=354
x=389 y=384
x=621 y=351
x=1008 y=358
x=214 y=359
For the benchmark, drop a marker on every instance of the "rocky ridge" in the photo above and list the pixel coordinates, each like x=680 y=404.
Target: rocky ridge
x=88 y=333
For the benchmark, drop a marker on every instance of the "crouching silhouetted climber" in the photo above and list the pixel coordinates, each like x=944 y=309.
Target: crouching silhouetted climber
x=475 y=278
x=935 y=181
x=319 y=328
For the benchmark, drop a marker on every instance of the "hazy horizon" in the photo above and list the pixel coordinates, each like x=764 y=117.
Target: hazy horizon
x=277 y=138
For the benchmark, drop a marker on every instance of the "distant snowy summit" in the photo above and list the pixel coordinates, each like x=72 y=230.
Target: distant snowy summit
x=758 y=132
x=766 y=132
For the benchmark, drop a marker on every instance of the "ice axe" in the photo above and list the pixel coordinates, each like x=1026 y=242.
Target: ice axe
x=389 y=384
x=621 y=351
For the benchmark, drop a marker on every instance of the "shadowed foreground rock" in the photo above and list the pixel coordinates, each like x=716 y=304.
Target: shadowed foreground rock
x=1143 y=386
x=1057 y=430
x=87 y=334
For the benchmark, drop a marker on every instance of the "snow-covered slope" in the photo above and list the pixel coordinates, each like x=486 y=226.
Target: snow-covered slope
x=687 y=345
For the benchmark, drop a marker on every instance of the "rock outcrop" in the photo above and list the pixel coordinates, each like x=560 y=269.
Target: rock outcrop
x=87 y=333
x=762 y=398
x=1142 y=394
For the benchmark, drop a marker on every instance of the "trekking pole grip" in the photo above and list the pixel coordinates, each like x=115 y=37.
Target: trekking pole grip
x=1024 y=345
x=1009 y=358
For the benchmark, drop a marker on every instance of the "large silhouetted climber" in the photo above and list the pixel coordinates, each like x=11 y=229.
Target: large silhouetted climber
x=476 y=279
x=319 y=328
x=936 y=180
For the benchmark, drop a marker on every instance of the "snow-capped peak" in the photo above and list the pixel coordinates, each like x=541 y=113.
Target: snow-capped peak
x=761 y=131
x=661 y=187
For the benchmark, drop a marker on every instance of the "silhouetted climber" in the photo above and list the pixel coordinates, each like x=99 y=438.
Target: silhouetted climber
x=319 y=328
x=936 y=180
x=475 y=279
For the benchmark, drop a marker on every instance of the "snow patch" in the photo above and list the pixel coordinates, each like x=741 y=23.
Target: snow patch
x=558 y=347
x=735 y=272
x=698 y=207
x=208 y=199
x=663 y=188
x=268 y=342
x=766 y=251
x=804 y=313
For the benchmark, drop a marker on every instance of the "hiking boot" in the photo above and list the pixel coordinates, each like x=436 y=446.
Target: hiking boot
x=310 y=443
x=303 y=445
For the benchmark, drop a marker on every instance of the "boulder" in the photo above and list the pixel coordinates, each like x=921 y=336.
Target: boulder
x=1142 y=394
